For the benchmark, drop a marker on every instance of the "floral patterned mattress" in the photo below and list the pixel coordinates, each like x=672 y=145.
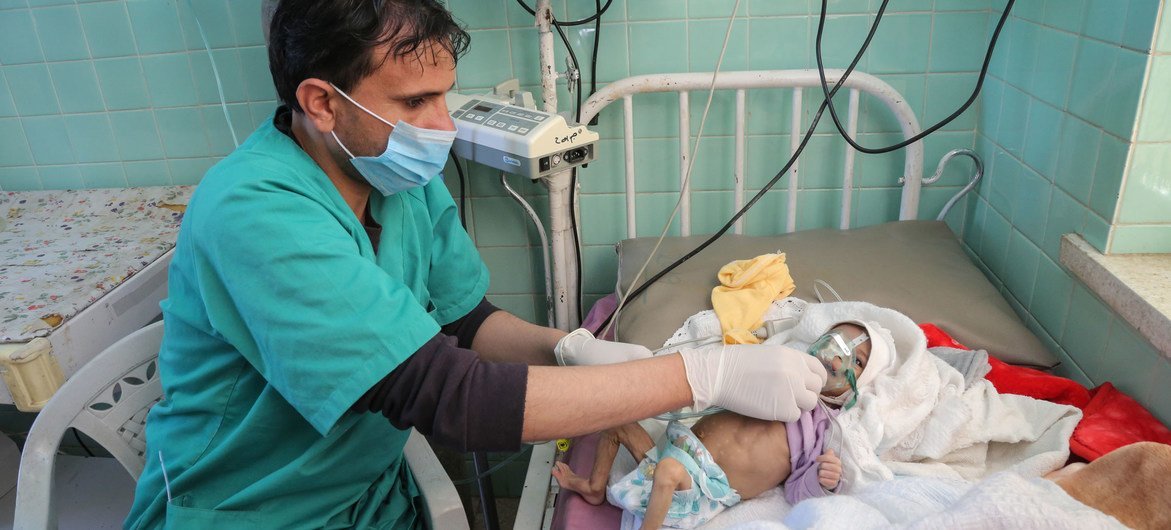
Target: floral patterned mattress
x=60 y=251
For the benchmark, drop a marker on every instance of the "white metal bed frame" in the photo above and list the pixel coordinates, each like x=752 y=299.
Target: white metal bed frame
x=538 y=495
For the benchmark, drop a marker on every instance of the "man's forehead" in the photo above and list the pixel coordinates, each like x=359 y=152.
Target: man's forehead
x=424 y=58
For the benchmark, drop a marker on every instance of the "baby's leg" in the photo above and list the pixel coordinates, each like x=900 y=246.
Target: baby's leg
x=670 y=476
x=632 y=436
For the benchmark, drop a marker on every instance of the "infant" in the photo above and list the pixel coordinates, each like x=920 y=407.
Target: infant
x=691 y=475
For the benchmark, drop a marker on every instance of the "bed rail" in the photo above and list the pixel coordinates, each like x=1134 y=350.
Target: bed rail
x=798 y=80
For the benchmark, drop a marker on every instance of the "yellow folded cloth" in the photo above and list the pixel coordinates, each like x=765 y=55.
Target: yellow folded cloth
x=747 y=288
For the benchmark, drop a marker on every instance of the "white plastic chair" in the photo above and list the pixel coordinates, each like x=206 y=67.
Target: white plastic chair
x=108 y=400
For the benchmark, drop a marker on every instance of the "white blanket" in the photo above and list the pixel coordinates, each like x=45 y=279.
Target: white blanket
x=920 y=419
x=1003 y=500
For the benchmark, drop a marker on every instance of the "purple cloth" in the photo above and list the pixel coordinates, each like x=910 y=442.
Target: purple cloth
x=598 y=314
x=806 y=443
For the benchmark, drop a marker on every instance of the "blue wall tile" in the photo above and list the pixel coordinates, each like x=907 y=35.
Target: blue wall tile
x=136 y=135
x=1055 y=66
x=77 y=87
x=18 y=38
x=91 y=137
x=188 y=171
x=1031 y=205
x=169 y=80
x=107 y=29
x=7 y=107
x=156 y=26
x=62 y=177
x=1112 y=153
x=32 y=89
x=766 y=51
x=183 y=132
x=103 y=175
x=148 y=173
x=1066 y=216
x=257 y=77
x=123 y=83
x=62 y=38
x=14 y=149
x=705 y=40
x=659 y=44
x=1087 y=326
x=246 y=22
x=1078 y=155
x=952 y=38
x=216 y=24
x=1051 y=294
x=20 y=178
x=1067 y=15
x=47 y=139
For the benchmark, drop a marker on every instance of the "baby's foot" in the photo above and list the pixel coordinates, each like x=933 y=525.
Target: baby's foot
x=572 y=482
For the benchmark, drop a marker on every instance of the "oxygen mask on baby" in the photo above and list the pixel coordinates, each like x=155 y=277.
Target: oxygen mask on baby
x=837 y=354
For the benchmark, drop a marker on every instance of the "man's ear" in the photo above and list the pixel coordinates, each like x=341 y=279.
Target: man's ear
x=314 y=97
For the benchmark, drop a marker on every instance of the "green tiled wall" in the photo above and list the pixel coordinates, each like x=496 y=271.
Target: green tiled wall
x=1055 y=131
x=643 y=36
x=118 y=93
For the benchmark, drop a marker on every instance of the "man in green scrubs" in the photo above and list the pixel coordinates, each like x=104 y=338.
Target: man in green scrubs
x=324 y=299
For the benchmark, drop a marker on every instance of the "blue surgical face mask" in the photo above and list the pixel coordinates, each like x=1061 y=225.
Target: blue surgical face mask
x=413 y=155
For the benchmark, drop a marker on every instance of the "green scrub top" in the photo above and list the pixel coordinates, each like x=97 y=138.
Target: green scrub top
x=279 y=317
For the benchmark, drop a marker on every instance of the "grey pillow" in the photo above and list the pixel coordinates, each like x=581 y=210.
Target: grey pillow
x=915 y=267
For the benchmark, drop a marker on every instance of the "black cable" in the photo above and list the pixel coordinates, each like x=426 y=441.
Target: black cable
x=576 y=239
x=594 y=59
x=463 y=193
x=573 y=179
x=800 y=148
x=971 y=99
x=493 y=469
x=586 y=20
x=81 y=442
x=576 y=67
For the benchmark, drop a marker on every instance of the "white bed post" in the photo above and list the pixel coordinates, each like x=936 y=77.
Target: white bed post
x=848 y=165
x=684 y=163
x=738 y=171
x=794 y=143
x=561 y=239
x=530 y=513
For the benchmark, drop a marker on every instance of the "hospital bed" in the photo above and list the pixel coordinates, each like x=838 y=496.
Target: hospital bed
x=868 y=244
x=79 y=270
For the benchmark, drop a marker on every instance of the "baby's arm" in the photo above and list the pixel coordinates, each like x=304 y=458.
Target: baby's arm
x=829 y=470
x=808 y=482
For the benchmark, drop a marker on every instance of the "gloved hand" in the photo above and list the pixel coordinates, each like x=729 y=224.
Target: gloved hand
x=580 y=348
x=767 y=382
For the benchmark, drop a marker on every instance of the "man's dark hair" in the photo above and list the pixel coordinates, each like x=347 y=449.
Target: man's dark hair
x=335 y=40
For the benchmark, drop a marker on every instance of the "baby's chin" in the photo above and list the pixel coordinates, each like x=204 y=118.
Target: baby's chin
x=834 y=393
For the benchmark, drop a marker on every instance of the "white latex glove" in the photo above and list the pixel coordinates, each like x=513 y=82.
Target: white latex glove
x=767 y=382
x=580 y=348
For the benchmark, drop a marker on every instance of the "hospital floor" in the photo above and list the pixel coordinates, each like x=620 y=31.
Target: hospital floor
x=508 y=483
x=95 y=493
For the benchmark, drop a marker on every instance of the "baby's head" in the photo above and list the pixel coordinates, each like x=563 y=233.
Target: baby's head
x=846 y=350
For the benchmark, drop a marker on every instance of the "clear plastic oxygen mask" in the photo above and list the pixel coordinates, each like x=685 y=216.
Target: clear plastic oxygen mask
x=837 y=355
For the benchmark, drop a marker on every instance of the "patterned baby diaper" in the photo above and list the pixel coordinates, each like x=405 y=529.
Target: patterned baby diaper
x=710 y=492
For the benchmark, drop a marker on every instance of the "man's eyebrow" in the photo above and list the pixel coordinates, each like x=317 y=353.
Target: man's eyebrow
x=429 y=93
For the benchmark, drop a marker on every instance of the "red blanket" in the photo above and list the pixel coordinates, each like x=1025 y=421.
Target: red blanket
x=1110 y=419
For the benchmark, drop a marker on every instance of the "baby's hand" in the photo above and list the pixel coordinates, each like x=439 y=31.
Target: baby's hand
x=829 y=470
